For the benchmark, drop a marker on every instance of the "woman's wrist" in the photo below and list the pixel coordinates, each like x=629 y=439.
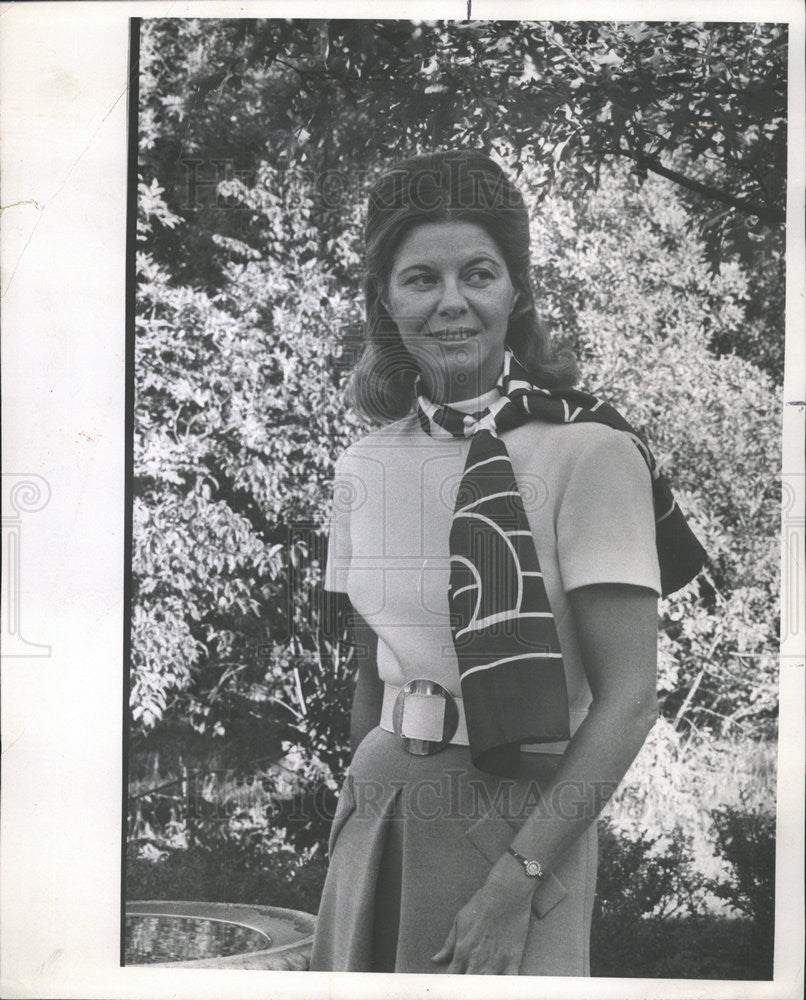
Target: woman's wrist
x=509 y=877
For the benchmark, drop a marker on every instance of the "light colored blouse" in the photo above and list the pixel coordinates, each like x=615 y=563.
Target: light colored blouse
x=587 y=495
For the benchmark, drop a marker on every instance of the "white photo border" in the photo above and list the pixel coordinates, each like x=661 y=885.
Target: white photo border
x=63 y=81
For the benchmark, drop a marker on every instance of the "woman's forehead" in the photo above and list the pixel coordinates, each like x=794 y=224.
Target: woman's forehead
x=445 y=242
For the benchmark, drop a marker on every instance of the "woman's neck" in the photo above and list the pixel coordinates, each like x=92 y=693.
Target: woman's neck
x=462 y=394
x=476 y=402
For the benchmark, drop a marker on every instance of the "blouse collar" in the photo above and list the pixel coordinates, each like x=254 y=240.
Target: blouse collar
x=477 y=402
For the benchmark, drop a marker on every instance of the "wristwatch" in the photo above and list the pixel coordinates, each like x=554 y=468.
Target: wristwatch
x=532 y=868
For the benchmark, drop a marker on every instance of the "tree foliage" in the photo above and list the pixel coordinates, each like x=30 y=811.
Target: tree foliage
x=238 y=422
x=625 y=273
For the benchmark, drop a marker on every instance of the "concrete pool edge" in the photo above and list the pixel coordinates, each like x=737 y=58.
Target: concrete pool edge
x=291 y=932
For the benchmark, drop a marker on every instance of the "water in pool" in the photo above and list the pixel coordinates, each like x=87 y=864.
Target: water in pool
x=179 y=939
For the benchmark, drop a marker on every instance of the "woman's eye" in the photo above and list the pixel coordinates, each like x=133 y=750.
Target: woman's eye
x=480 y=275
x=421 y=281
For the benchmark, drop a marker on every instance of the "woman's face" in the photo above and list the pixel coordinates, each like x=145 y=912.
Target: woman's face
x=450 y=296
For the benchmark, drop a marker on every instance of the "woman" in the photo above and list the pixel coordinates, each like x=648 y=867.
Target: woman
x=502 y=545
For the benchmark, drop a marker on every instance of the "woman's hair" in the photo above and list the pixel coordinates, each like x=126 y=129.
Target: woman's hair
x=444 y=186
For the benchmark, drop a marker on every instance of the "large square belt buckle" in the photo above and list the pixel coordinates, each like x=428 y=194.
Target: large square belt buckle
x=425 y=716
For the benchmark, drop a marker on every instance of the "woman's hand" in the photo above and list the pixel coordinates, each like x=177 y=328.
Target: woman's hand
x=488 y=936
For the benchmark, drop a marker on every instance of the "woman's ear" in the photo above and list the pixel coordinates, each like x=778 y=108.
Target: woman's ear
x=520 y=303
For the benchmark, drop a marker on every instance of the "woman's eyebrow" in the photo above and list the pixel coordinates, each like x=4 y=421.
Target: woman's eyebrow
x=473 y=260
x=482 y=257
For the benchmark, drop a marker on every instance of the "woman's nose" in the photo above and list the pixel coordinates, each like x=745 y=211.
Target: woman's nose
x=452 y=301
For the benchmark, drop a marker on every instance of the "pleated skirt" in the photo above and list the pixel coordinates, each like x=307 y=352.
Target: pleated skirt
x=414 y=837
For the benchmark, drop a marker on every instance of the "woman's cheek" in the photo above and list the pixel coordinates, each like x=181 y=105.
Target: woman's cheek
x=413 y=312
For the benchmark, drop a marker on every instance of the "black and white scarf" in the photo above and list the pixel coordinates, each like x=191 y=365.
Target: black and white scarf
x=510 y=663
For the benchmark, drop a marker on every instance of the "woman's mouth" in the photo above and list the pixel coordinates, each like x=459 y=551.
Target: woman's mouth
x=454 y=333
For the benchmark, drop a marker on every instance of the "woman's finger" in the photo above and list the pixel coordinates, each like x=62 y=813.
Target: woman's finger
x=487 y=960
x=495 y=964
x=460 y=965
x=507 y=964
x=463 y=957
x=481 y=960
x=446 y=951
x=512 y=967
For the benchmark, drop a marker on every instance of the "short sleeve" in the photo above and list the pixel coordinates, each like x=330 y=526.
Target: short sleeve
x=339 y=549
x=606 y=519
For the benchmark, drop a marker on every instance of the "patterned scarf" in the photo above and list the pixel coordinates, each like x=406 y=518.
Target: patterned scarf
x=510 y=663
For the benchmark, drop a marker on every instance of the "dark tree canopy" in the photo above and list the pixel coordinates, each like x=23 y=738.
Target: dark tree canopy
x=701 y=104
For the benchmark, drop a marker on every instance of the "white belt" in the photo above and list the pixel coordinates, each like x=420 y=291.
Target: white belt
x=427 y=717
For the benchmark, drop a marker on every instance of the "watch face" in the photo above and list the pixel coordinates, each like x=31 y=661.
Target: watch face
x=533 y=869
